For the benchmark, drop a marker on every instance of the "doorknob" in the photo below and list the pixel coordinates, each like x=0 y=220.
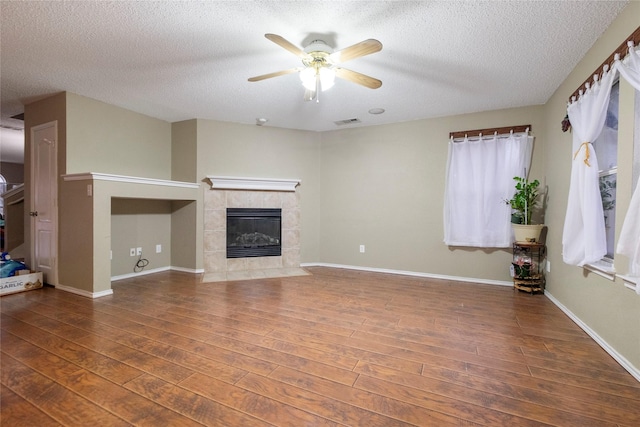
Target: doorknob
x=33 y=213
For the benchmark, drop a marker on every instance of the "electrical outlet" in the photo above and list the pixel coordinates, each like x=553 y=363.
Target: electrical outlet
x=361 y=249
x=138 y=251
x=548 y=266
x=132 y=252
x=158 y=249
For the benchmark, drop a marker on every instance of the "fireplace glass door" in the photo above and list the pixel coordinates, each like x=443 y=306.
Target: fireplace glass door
x=253 y=232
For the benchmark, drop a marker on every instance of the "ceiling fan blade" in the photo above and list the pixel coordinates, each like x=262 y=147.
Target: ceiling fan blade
x=280 y=41
x=276 y=74
x=358 y=78
x=363 y=48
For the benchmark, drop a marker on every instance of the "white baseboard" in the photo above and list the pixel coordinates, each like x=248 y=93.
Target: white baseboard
x=84 y=293
x=188 y=270
x=157 y=270
x=140 y=273
x=92 y=295
x=412 y=273
x=635 y=372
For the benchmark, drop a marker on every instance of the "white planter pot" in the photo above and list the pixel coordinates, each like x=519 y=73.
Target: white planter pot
x=527 y=233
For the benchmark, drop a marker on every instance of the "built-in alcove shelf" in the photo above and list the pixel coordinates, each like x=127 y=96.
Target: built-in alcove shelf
x=92 y=236
x=127 y=179
x=259 y=184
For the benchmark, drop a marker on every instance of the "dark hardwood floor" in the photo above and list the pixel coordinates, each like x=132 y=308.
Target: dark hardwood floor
x=334 y=348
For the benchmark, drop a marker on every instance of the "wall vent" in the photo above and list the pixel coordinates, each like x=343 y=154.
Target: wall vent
x=346 y=122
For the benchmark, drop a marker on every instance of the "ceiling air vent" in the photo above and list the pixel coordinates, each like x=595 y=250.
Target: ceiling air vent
x=346 y=122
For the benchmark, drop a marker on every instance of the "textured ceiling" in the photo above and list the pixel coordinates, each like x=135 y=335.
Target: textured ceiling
x=184 y=60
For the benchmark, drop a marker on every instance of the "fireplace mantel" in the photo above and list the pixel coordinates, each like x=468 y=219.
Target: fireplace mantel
x=263 y=184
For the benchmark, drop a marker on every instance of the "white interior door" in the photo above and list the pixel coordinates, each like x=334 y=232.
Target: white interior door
x=44 y=191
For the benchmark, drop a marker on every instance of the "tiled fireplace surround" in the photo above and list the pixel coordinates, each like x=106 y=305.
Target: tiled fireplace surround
x=228 y=192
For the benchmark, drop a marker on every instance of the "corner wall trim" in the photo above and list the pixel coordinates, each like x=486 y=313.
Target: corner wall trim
x=84 y=293
x=412 y=273
x=635 y=372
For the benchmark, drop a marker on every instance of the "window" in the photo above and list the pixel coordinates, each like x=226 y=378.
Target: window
x=631 y=279
x=479 y=180
x=606 y=147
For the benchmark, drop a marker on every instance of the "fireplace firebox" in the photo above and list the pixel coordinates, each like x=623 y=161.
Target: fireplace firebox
x=254 y=232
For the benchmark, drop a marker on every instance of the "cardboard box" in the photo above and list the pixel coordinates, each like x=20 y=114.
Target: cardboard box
x=25 y=281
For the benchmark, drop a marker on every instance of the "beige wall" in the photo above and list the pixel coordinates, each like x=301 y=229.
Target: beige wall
x=76 y=236
x=228 y=149
x=140 y=223
x=383 y=187
x=605 y=306
x=184 y=151
x=108 y=139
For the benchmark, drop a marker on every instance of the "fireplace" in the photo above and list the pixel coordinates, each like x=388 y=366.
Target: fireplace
x=253 y=232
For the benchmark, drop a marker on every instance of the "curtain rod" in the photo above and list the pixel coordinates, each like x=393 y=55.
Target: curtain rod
x=489 y=131
x=621 y=50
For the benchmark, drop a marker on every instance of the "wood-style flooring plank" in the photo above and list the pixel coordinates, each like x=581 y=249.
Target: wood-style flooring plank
x=107 y=367
x=265 y=407
x=201 y=409
x=383 y=380
x=435 y=413
x=102 y=393
x=18 y=412
x=318 y=404
x=55 y=400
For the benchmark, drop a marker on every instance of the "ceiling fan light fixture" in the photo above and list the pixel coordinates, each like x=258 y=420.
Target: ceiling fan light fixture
x=327 y=78
x=308 y=78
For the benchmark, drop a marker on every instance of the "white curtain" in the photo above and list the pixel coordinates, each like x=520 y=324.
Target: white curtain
x=479 y=180
x=629 y=242
x=583 y=239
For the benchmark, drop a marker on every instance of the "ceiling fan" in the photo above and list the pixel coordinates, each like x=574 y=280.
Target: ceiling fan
x=321 y=65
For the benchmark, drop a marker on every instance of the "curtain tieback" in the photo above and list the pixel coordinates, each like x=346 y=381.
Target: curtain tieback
x=586 y=153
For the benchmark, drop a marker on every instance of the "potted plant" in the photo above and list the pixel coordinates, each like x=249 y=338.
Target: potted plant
x=522 y=204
